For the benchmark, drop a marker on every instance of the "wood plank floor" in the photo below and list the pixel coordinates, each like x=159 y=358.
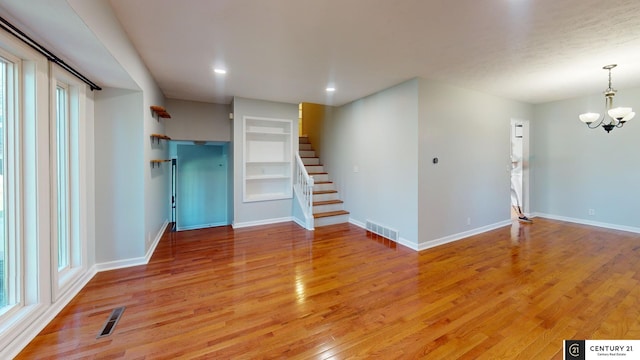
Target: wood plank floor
x=279 y=291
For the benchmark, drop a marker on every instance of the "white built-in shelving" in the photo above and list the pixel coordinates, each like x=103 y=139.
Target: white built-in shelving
x=268 y=156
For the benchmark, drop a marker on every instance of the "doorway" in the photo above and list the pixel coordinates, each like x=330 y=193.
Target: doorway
x=201 y=185
x=519 y=154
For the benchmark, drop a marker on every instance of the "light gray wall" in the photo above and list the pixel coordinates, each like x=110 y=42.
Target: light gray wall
x=468 y=132
x=119 y=175
x=370 y=149
x=90 y=186
x=155 y=203
x=259 y=211
x=578 y=169
x=192 y=120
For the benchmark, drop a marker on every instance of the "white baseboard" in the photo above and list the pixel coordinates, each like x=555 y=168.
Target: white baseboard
x=143 y=260
x=410 y=244
x=590 y=223
x=447 y=239
x=156 y=241
x=261 y=222
x=357 y=223
x=451 y=238
x=302 y=223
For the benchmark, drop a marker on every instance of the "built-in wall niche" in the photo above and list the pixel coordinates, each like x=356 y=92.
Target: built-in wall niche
x=268 y=157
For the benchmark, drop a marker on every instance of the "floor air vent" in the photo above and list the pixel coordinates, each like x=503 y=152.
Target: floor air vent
x=108 y=327
x=383 y=231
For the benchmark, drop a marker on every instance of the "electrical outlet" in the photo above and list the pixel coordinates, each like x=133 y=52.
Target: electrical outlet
x=592 y=212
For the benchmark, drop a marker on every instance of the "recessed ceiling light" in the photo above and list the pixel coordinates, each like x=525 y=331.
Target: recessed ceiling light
x=220 y=71
x=331 y=89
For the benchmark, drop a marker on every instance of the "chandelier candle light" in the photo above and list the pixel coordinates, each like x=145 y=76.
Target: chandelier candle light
x=617 y=116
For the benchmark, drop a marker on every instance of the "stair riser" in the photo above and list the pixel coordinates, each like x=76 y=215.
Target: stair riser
x=325 y=197
x=314 y=168
x=310 y=161
x=305 y=147
x=323 y=187
x=306 y=153
x=303 y=140
x=331 y=220
x=321 y=177
x=327 y=208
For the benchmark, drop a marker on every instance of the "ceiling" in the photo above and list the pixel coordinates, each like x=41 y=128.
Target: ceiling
x=291 y=50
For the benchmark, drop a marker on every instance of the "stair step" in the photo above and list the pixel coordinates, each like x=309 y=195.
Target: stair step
x=310 y=161
x=323 y=176
x=303 y=140
x=330 y=213
x=327 y=205
x=327 y=202
x=323 y=186
x=314 y=169
x=323 y=192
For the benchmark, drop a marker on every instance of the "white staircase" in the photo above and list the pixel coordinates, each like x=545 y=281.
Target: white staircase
x=327 y=206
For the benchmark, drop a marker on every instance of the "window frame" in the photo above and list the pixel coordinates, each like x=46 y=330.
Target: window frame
x=64 y=278
x=62 y=186
x=12 y=184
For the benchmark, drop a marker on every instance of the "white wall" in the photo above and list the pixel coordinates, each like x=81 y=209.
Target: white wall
x=577 y=169
x=370 y=149
x=119 y=175
x=154 y=205
x=469 y=189
x=252 y=213
x=192 y=120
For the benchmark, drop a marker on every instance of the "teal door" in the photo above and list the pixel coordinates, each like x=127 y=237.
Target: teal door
x=201 y=186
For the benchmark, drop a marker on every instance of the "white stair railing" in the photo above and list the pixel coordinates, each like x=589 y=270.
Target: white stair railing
x=303 y=187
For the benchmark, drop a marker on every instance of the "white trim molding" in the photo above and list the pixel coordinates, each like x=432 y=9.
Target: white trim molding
x=38 y=322
x=261 y=222
x=590 y=223
x=459 y=236
x=143 y=260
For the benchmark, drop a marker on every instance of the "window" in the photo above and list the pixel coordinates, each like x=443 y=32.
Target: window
x=3 y=106
x=67 y=258
x=62 y=173
x=45 y=188
x=9 y=235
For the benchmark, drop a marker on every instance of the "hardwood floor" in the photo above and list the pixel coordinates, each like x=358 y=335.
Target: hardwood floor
x=279 y=291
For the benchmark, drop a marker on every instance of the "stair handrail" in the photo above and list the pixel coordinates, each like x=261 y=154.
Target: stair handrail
x=304 y=187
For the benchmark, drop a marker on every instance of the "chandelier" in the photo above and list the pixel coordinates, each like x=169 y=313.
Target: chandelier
x=617 y=116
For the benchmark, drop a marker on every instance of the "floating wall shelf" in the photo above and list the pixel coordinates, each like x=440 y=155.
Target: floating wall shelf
x=160 y=111
x=159 y=137
x=157 y=162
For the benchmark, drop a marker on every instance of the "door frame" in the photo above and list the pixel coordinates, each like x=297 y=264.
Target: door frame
x=526 y=161
x=174 y=189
